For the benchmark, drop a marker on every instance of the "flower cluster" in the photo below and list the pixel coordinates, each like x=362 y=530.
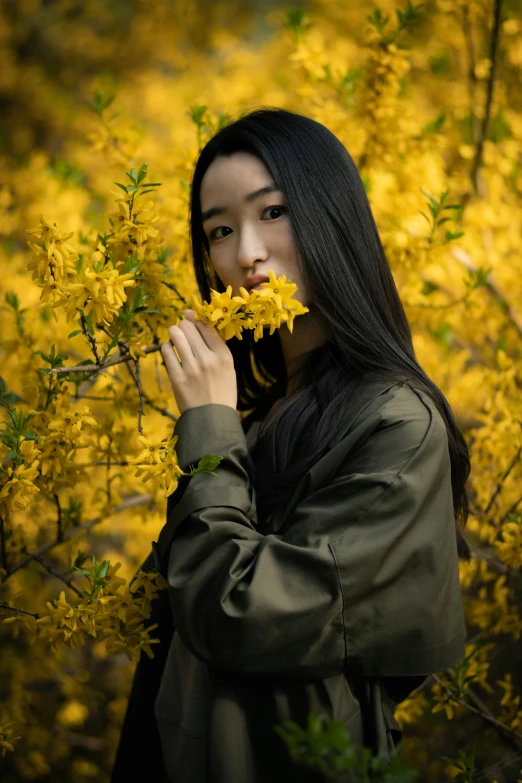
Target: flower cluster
x=158 y=462
x=254 y=309
x=120 y=617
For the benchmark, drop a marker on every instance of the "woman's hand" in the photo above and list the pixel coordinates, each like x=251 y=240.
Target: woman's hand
x=206 y=373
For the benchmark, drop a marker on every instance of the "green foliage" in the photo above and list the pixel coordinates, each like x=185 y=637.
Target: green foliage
x=12 y=433
x=96 y=577
x=101 y=101
x=136 y=182
x=296 y=22
x=404 y=19
x=326 y=747
x=7 y=399
x=52 y=358
x=206 y=464
x=476 y=278
x=436 y=207
x=465 y=763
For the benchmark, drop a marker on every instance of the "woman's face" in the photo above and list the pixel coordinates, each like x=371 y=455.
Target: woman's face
x=252 y=233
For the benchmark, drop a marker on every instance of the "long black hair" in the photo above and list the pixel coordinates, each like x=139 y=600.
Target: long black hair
x=350 y=285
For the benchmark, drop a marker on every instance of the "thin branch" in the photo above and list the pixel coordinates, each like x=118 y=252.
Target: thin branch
x=472 y=78
x=509 y=511
x=484 y=129
x=163 y=411
x=4 y=605
x=98 y=368
x=487 y=555
x=479 y=704
x=63 y=579
x=137 y=380
x=104 y=464
x=59 y=521
x=490 y=284
x=2 y=544
x=492 y=770
x=173 y=288
x=484 y=716
x=134 y=500
x=502 y=479
x=145 y=397
x=89 y=336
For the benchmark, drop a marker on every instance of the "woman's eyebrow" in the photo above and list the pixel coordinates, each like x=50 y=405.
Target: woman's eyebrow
x=249 y=197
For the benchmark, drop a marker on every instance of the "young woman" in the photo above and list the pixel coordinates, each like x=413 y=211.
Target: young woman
x=318 y=569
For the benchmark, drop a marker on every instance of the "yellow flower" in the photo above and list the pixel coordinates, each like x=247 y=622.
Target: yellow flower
x=74 y=713
x=7 y=737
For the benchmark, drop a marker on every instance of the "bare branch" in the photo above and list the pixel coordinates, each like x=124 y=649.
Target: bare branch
x=483 y=715
x=131 y=502
x=137 y=380
x=99 y=368
x=63 y=579
x=7 y=607
x=59 y=521
x=502 y=479
x=465 y=259
x=90 y=337
x=173 y=288
x=484 y=129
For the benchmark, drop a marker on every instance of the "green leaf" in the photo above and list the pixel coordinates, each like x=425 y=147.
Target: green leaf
x=73 y=334
x=142 y=173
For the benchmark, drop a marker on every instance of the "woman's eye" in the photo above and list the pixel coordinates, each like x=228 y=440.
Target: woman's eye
x=213 y=233
x=280 y=209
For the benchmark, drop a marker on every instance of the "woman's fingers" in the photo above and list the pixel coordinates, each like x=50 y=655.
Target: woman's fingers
x=172 y=362
x=183 y=346
x=211 y=339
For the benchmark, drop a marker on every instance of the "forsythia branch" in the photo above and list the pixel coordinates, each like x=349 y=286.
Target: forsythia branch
x=134 y=500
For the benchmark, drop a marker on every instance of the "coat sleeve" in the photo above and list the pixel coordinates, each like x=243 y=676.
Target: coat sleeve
x=365 y=578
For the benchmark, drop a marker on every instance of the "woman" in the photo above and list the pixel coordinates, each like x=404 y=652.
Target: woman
x=318 y=569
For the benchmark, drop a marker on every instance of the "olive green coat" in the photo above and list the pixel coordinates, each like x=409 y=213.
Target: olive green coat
x=343 y=605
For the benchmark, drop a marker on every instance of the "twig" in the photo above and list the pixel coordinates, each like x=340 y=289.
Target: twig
x=509 y=511
x=99 y=368
x=134 y=500
x=479 y=704
x=502 y=479
x=137 y=380
x=173 y=288
x=4 y=605
x=59 y=524
x=163 y=411
x=465 y=259
x=2 y=543
x=487 y=555
x=484 y=716
x=492 y=770
x=145 y=397
x=90 y=338
x=472 y=78
x=484 y=129
x=104 y=464
x=63 y=579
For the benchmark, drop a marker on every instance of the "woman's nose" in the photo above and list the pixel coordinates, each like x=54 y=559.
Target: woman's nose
x=251 y=247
